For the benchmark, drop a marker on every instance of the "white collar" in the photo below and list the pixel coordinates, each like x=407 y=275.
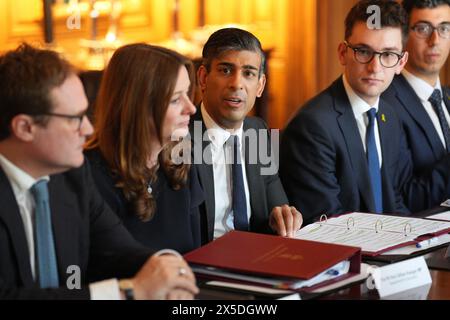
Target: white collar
x=422 y=88
x=359 y=106
x=216 y=134
x=19 y=179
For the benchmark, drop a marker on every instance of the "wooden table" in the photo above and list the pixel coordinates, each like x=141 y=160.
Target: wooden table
x=439 y=290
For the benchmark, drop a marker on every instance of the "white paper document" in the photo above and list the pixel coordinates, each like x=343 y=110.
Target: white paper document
x=444 y=216
x=371 y=232
x=446 y=203
x=407 y=250
x=362 y=275
x=401 y=277
x=338 y=270
x=248 y=287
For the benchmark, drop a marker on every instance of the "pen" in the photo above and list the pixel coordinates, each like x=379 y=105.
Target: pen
x=427 y=243
x=332 y=272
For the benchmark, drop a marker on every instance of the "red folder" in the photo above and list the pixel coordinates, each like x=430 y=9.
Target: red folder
x=274 y=256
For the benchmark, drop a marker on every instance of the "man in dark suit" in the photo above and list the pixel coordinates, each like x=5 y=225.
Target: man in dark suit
x=345 y=149
x=425 y=125
x=56 y=232
x=246 y=197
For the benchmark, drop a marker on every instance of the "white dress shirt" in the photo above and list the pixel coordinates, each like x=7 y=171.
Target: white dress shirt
x=360 y=108
x=424 y=91
x=222 y=160
x=21 y=182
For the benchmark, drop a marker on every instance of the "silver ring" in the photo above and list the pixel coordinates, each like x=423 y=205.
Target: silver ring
x=182 y=271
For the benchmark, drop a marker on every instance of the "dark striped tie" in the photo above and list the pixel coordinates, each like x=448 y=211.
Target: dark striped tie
x=374 y=162
x=436 y=102
x=240 y=219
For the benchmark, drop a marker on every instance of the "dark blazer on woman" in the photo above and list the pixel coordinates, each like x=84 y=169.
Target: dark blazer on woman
x=176 y=222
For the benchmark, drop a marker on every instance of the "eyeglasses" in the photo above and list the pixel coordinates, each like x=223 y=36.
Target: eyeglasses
x=364 y=55
x=77 y=119
x=424 y=30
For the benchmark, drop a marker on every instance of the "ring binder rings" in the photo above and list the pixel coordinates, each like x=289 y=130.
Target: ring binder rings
x=406 y=233
x=350 y=221
x=378 y=226
x=373 y=233
x=323 y=218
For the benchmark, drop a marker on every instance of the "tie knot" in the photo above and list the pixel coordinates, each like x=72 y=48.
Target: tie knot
x=40 y=190
x=436 y=97
x=233 y=140
x=372 y=113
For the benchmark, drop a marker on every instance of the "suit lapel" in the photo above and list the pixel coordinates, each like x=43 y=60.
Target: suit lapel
x=10 y=215
x=388 y=149
x=65 y=222
x=253 y=175
x=446 y=97
x=412 y=104
x=349 y=128
x=202 y=156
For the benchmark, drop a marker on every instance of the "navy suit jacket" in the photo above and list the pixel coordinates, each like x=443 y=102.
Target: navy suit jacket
x=266 y=191
x=323 y=164
x=87 y=234
x=423 y=140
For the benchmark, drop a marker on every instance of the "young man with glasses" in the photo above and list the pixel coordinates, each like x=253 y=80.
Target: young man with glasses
x=345 y=150
x=417 y=95
x=56 y=232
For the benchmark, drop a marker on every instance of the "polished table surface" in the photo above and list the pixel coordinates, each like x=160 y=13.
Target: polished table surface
x=439 y=290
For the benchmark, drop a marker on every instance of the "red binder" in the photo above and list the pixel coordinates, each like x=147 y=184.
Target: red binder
x=273 y=256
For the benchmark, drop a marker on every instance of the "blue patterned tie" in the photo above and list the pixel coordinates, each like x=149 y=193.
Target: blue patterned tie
x=45 y=246
x=239 y=201
x=436 y=101
x=373 y=162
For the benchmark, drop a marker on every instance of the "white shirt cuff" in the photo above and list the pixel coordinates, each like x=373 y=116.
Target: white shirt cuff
x=168 y=251
x=105 y=290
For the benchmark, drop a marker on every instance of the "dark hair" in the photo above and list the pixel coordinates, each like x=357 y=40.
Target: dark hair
x=392 y=15
x=27 y=75
x=409 y=5
x=231 y=39
x=137 y=86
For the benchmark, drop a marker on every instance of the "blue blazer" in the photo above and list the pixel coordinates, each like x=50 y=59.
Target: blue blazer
x=323 y=165
x=421 y=136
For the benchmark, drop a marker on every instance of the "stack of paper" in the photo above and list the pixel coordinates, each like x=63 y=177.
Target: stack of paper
x=373 y=233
